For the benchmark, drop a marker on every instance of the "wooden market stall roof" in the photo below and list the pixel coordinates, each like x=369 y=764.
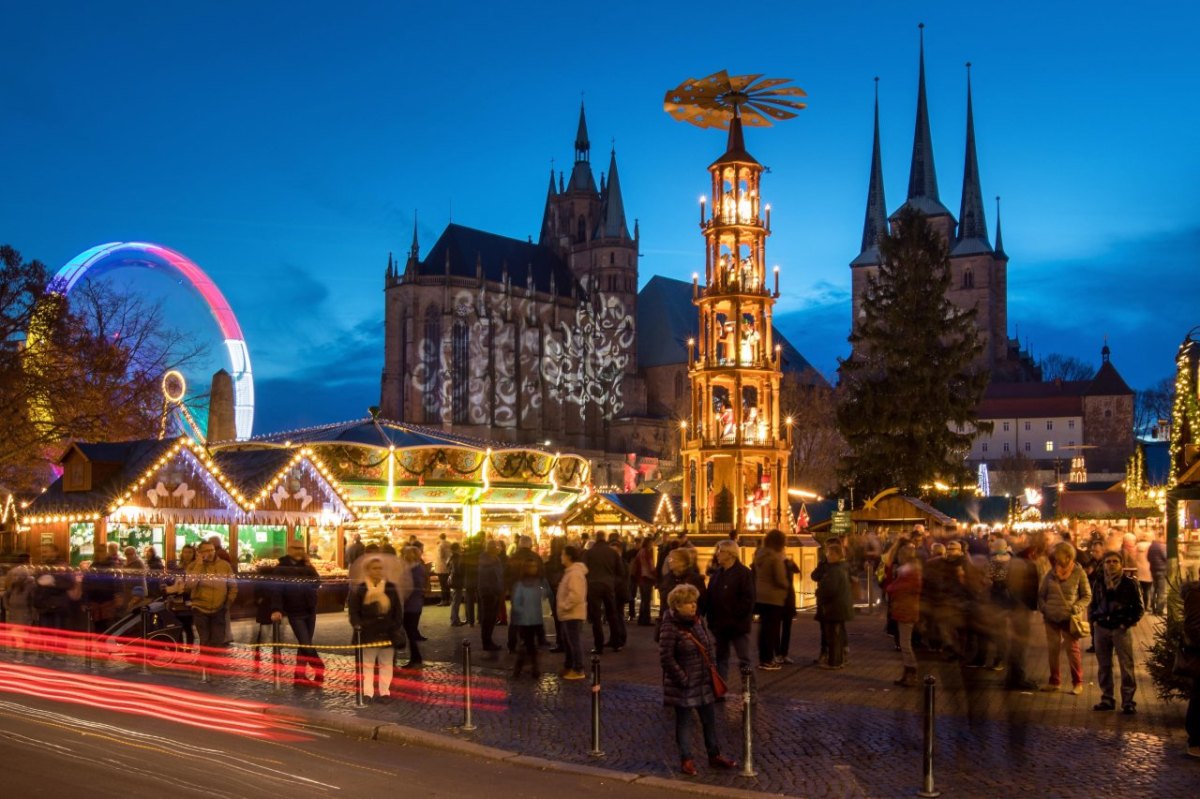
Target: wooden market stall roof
x=646 y=508
x=897 y=509
x=176 y=476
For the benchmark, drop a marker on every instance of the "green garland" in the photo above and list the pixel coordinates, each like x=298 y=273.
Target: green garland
x=1185 y=413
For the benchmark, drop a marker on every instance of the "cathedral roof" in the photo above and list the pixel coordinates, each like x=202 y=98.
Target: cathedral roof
x=464 y=248
x=1108 y=382
x=667 y=319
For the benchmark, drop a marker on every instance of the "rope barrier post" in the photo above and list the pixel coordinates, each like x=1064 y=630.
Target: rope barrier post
x=467 y=724
x=359 y=700
x=596 y=750
x=276 y=652
x=927 y=790
x=747 y=723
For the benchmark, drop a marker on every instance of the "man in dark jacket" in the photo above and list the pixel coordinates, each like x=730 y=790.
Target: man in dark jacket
x=1157 y=556
x=1023 y=586
x=1115 y=610
x=730 y=607
x=293 y=593
x=836 y=602
x=603 y=570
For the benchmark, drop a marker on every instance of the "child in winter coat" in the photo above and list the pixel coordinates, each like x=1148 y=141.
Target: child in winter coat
x=527 y=594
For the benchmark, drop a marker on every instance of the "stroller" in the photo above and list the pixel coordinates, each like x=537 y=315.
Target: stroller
x=150 y=621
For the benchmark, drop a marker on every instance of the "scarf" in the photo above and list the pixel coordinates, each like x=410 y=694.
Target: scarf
x=1063 y=573
x=377 y=595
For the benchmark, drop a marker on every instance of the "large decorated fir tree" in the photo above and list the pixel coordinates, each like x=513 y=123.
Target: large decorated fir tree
x=910 y=387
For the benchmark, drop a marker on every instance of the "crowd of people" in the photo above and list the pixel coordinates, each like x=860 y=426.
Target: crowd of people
x=973 y=600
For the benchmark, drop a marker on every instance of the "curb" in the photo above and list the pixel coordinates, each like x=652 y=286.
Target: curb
x=390 y=732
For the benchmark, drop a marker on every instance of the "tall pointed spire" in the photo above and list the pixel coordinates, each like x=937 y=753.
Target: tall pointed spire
x=735 y=146
x=922 y=177
x=612 y=212
x=581 y=174
x=415 y=250
x=548 y=231
x=875 y=224
x=999 y=238
x=972 y=227
x=582 y=145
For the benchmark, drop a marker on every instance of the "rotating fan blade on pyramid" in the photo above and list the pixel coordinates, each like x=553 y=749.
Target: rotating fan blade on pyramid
x=714 y=101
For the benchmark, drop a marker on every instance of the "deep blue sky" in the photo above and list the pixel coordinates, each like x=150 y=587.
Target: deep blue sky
x=284 y=147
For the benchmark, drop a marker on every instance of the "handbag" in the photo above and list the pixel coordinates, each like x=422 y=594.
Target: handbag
x=1077 y=626
x=398 y=636
x=718 y=685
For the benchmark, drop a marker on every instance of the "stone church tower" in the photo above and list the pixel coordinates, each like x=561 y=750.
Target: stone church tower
x=979 y=271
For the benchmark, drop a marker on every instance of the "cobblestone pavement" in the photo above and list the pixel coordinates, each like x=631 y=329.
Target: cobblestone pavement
x=817 y=733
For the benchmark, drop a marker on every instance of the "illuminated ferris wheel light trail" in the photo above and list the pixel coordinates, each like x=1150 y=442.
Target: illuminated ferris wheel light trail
x=114 y=255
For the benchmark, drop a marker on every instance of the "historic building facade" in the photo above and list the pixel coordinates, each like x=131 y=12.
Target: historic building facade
x=527 y=343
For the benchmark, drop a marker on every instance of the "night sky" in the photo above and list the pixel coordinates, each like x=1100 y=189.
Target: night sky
x=285 y=146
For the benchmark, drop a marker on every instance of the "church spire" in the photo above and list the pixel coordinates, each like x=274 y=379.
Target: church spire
x=999 y=239
x=612 y=212
x=581 y=173
x=415 y=250
x=875 y=224
x=548 y=214
x=582 y=145
x=972 y=227
x=922 y=177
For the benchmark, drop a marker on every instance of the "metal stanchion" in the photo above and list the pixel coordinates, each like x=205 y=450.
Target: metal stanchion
x=747 y=723
x=927 y=790
x=359 y=701
x=277 y=652
x=596 y=750
x=467 y=724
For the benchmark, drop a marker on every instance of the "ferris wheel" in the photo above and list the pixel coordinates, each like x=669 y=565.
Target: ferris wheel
x=115 y=255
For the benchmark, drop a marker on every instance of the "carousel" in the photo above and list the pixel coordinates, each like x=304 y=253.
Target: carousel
x=403 y=481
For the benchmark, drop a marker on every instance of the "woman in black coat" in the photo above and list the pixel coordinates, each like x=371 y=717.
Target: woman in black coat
x=686 y=650
x=375 y=611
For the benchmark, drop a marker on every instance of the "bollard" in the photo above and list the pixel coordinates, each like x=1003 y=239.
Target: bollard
x=145 y=644
x=927 y=790
x=596 y=750
x=276 y=652
x=467 y=724
x=359 y=701
x=747 y=723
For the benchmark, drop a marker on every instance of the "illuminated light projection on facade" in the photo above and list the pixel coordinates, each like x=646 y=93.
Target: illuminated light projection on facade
x=735 y=446
x=116 y=255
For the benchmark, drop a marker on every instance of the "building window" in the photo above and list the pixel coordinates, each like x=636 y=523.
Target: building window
x=1049 y=424
x=1049 y=446
x=1070 y=444
x=968 y=280
x=1027 y=447
x=983 y=447
x=1027 y=427
x=1107 y=413
x=430 y=384
x=460 y=371
x=1006 y=446
x=1070 y=424
x=1006 y=427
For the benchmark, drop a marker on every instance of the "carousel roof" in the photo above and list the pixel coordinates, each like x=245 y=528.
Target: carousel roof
x=384 y=433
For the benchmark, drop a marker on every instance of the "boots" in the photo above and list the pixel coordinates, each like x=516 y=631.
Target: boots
x=519 y=665
x=908 y=679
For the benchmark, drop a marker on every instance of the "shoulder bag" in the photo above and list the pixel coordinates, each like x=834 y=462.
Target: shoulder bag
x=1079 y=627
x=718 y=685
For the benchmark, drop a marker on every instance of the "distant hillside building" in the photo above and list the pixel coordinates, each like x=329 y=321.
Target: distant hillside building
x=1055 y=424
